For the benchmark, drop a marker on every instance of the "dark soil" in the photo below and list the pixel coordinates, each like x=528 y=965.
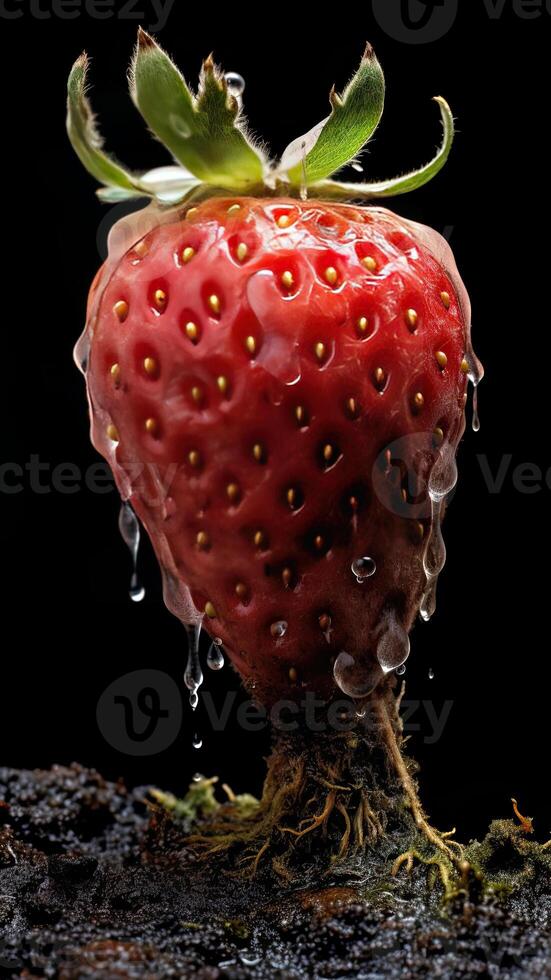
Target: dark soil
x=93 y=883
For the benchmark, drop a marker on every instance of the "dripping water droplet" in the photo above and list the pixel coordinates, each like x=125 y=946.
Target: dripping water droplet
x=475 y=375
x=130 y=532
x=136 y=591
x=235 y=83
x=197 y=777
x=401 y=669
x=476 y=417
x=363 y=568
x=354 y=678
x=193 y=676
x=434 y=558
x=215 y=657
x=428 y=602
x=431 y=674
x=357 y=167
x=197 y=741
x=392 y=642
x=82 y=352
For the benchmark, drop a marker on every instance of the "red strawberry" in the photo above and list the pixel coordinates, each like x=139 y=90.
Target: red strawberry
x=275 y=383
x=259 y=358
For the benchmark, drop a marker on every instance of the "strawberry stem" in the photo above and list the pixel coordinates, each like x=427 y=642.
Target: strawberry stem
x=206 y=134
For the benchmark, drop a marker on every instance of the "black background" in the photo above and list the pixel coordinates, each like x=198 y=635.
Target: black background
x=68 y=627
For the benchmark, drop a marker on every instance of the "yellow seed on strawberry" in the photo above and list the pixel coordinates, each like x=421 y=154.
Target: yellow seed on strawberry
x=120 y=310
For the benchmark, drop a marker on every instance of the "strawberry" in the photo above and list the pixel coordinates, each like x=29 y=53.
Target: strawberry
x=279 y=385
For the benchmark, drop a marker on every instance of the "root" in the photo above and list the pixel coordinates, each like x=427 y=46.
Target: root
x=441 y=841
x=322 y=796
x=330 y=797
x=438 y=862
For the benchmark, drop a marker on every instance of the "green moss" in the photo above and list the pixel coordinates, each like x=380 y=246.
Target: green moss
x=508 y=860
x=200 y=802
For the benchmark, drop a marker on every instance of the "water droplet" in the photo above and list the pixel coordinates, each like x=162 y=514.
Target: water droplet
x=82 y=352
x=357 y=167
x=428 y=602
x=476 y=417
x=193 y=676
x=197 y=777
x=401 y=669
x=249 y=959
x=434 y=558
x=356 y=679
x=443 y=477
x=179 y=125
x=136 y=591
x=392 y=642
x=431 y=674
x=278 y=629
x=363 y=568
x=215 y=657
x=197 y=741
x=235 y=83
x=130 y=532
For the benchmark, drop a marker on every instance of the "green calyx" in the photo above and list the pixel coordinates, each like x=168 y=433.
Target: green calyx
x=207 y=136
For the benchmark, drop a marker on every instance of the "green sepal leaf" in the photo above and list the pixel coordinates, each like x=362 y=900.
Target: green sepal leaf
x=337 y=190
x=339 y=138
x=86 y=140
x=204 y=133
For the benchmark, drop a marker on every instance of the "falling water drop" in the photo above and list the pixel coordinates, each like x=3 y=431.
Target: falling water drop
x=363 y=568
x=197 y=741
x=215 y=656
x=130 y=532
x=431 y=674
x=401 y=669
x=193 y=676
x=197 y=777
x=235 y=83
x=357 y=167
